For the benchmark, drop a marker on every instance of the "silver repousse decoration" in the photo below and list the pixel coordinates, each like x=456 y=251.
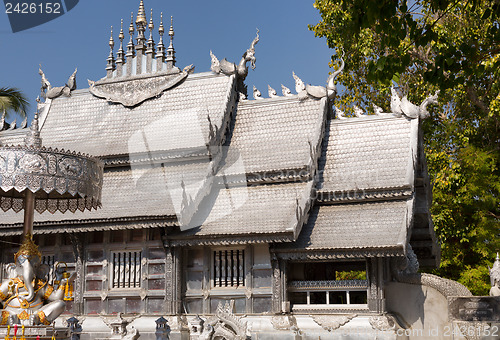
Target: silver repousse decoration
x=59 y=179
x=137 y=89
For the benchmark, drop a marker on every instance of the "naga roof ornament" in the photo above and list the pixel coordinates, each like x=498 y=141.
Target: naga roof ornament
x=404 y=106
x=49 y=92
x=240 y=70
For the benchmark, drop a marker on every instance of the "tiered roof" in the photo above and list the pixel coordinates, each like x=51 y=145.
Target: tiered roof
x=189 y=152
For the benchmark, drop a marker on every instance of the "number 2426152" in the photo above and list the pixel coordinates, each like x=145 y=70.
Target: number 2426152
x=33 y=8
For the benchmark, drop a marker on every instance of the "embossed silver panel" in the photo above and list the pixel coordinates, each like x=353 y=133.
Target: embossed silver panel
x=61 y=180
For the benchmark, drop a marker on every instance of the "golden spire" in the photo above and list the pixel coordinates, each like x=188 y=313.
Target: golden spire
x=141 y=16
x=28 y=248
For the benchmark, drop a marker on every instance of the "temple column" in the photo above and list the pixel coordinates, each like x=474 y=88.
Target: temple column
x=173 y=271
x=78 y=250
x=279 y=284
x=375 y=275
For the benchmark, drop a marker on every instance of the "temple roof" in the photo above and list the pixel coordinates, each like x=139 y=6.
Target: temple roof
x=262 y=213
x=175 y=122
x=368 y=153
x=191 y=153
x=355 y=228
x=277 y=134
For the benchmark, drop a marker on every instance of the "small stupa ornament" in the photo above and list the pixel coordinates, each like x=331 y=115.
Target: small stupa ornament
x=495 y=277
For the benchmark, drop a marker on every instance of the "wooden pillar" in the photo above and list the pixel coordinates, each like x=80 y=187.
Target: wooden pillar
x=374 y=271
x=279 y=286
x=79 y=285
x=29 y=212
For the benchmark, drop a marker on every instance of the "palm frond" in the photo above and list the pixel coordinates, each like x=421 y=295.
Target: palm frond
x=12 y=99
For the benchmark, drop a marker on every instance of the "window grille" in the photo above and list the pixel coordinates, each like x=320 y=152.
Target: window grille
x=229 y=268
x=126 y=271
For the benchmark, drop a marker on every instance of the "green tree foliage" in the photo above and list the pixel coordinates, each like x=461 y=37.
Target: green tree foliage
x=422 y=46
x=11 y=99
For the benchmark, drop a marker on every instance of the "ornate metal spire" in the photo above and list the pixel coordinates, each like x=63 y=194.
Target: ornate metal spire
x=130 y=45
x=141 y=22
x=151 y=43
x=120 y=55
x=170 y=50
x=160 y=54
x=111 y=58
x=32 y=138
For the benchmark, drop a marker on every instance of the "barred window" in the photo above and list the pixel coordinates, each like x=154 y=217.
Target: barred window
x=126 y=271
x=229 y=268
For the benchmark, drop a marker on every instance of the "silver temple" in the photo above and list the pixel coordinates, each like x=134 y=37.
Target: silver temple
x=226 y=217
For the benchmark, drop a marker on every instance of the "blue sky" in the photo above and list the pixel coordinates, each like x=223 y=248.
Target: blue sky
x=80 y=39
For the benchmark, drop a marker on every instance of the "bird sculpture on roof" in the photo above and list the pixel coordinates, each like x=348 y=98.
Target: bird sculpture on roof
x=395 y=102
x=299 y=84
x=12 y=125
x=24 y=123
x=286 y=91
x=45 y=83
x=2 y=121
x=256 y=94
x=72 y=80
x=331 y=89
x=410 y=110
x=241 y=70
x=272 y=92
x=358 y=112
x=378 y=110
x=339 y=113
x=215 y=66
x=49 y=92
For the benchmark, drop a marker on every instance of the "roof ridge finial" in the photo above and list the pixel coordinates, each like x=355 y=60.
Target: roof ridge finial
x=151 y=43
x=160 y=54
x=111 y=58
x=120 y=55
x=141 y=22
x=130 y=45
x=170 y=50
